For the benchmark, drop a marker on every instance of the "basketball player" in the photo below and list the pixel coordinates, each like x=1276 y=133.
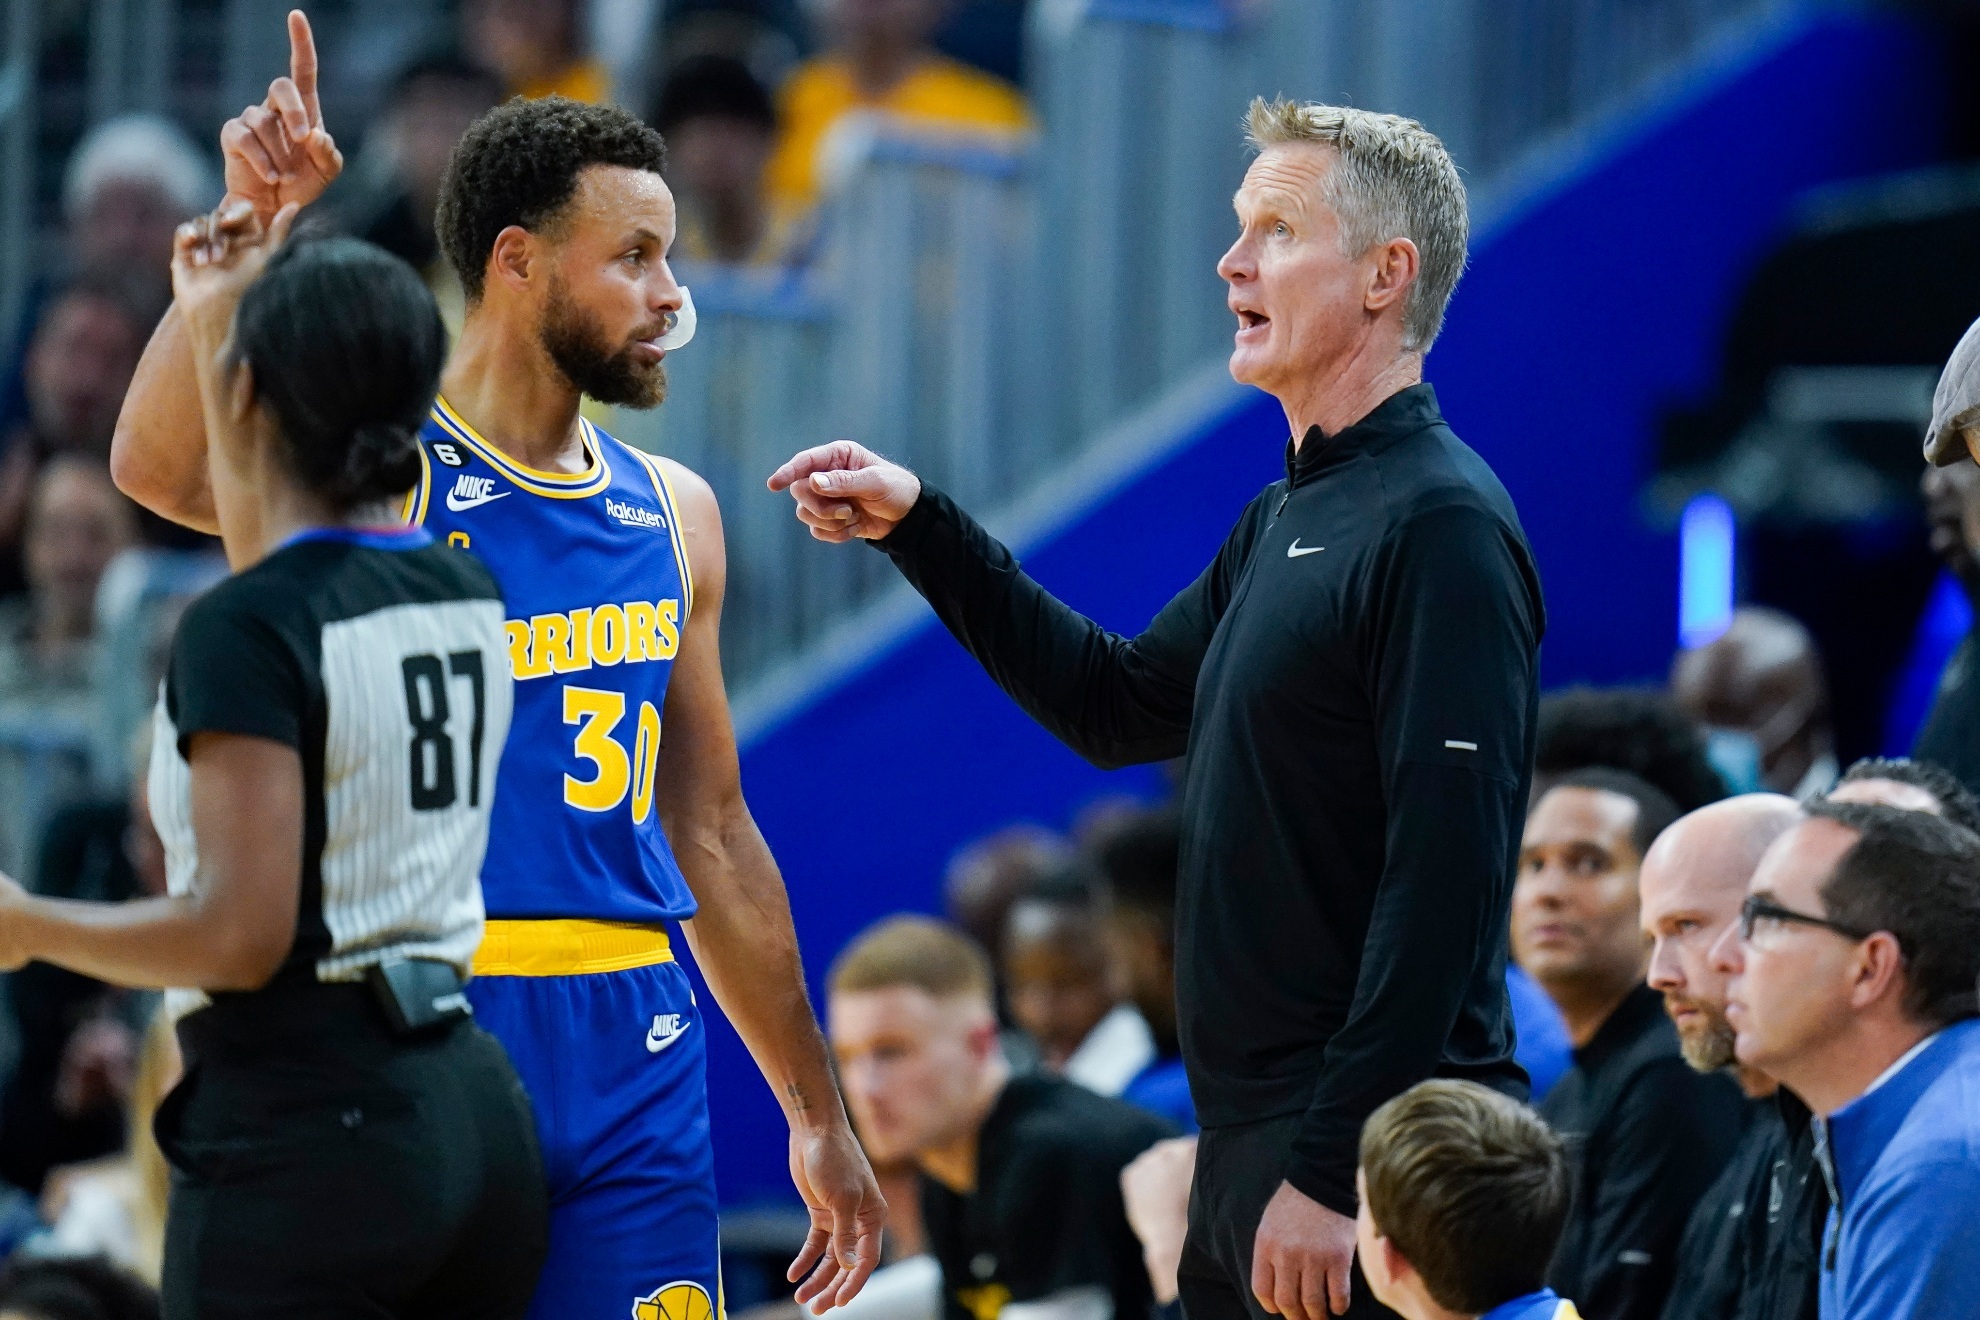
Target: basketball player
x=557 y=222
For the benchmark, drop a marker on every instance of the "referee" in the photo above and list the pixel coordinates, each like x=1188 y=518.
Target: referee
x=1353 y=679
x=345 y=1142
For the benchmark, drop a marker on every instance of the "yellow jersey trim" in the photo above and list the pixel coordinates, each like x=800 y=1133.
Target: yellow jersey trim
x=555 y=485
x=414 y=513
x=569 y=947
x=663 y=486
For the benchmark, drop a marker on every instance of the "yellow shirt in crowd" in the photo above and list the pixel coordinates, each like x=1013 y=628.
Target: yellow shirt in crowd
x=939 y=92
x=587 y=81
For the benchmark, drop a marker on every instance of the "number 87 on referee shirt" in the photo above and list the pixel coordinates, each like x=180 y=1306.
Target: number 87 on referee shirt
x=598 y=590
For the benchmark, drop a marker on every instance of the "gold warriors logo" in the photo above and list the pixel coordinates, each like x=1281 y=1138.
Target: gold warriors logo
x=684 y=1300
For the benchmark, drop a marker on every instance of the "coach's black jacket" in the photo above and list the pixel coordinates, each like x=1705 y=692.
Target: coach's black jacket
x=1353 y=680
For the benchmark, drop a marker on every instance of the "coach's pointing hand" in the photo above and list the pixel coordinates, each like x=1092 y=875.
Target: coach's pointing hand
x=1301 y=1257
x=844 y=490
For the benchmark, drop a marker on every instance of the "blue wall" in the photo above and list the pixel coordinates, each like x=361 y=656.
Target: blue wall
x=1598 y=287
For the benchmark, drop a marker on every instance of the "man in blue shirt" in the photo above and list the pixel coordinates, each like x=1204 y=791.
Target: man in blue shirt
x=1464 y=1194
x=1854 y=969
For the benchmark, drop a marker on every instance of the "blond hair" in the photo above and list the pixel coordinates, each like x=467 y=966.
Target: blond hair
x=913 y=951
x=1470 y=1186
x=1392 y=178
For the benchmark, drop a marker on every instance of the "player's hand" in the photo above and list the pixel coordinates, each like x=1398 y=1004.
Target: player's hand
x=847 y=1214
x=844 y=490
x=13 y=952
x=214 y=259
x=1302 y=1257
x=278 y=152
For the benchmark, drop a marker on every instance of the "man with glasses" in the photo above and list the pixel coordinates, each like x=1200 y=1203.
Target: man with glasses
x=1854 y=969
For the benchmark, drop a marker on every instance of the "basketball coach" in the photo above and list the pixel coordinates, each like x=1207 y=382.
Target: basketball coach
x=1353 y=678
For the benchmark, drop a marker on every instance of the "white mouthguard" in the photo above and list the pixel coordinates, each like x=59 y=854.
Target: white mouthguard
x=681 y=328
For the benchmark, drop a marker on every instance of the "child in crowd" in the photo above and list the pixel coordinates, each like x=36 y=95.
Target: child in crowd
x=1463 y=1196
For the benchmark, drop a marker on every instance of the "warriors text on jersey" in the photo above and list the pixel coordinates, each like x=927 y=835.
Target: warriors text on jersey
x=598 y=590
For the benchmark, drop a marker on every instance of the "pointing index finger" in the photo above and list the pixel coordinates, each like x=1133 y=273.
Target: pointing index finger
x=302 y=64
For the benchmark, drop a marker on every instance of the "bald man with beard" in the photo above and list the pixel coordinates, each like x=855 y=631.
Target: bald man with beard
x=1750 y=1249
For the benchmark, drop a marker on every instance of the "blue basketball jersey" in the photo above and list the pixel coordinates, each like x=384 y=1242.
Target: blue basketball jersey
x=598 y=591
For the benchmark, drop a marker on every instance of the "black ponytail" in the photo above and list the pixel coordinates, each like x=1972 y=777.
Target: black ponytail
x=346 y=345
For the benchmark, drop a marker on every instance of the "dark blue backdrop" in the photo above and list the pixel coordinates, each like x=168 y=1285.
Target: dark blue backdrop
x=1598 y=288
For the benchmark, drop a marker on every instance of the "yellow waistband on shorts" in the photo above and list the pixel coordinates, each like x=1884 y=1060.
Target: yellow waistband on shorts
x=568 y=947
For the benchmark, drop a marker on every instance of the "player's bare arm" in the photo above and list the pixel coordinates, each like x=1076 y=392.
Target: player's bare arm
x=277 y=153
x=742 y=934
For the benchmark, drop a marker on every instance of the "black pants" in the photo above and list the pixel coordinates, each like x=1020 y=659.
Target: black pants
x=1237 y=1171
x=323 y=1168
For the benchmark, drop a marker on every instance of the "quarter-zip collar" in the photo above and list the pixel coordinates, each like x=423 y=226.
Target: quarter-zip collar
x=1858 y=1132
x=1402 y=414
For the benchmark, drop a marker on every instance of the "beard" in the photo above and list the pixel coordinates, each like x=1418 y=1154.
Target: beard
x=582 y=350
x=1707 y=1046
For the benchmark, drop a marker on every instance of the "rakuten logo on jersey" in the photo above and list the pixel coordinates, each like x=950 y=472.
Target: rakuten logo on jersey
x=635 y=515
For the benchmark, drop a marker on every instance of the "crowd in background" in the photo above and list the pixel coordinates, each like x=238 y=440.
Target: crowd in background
x=1075 y=929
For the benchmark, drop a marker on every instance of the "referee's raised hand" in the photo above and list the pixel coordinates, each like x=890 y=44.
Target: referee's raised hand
x=846 y=491
x=278 y=152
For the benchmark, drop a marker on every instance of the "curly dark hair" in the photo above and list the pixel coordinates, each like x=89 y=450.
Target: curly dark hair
x=1639 y=730
x=1956 y=804
x=519 y=165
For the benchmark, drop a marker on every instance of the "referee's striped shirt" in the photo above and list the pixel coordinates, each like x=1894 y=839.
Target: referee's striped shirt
x=379 y=656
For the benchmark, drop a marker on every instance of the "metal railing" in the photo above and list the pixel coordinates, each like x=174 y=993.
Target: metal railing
x=983 y=313
x=17 y=174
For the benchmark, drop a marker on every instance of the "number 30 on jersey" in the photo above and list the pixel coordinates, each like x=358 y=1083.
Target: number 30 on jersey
x=598 y=712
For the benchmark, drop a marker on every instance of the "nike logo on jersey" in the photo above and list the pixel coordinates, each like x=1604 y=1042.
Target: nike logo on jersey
x=1292 y=551
x=667 y=1028
x=472 y=492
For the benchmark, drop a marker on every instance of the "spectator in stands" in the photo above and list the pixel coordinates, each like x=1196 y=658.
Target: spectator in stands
x=539 y=47
x=49 y=676
x=1759 y=689
x=116 y=1207
x=130 y=183
x=76 y=524
x=1064 y=989
x=720 y=126
x=983 y=880
x=1021 y=1194
x=1749 y=1251
x=879 y=59
x=1853 y=973
x=78 y=366
x=1138 y=855
x=62 y=1103
x=1653 y=1133
x=66 y=1289
x=391 y=191
x=1909 y=785
x=1951 y=733
x=1464 y=1194
x=1640 y=730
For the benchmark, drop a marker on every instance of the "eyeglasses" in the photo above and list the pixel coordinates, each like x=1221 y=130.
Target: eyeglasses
x=1756 y=909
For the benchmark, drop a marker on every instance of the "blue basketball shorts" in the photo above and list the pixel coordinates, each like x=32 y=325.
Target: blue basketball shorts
x=614 y=1063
